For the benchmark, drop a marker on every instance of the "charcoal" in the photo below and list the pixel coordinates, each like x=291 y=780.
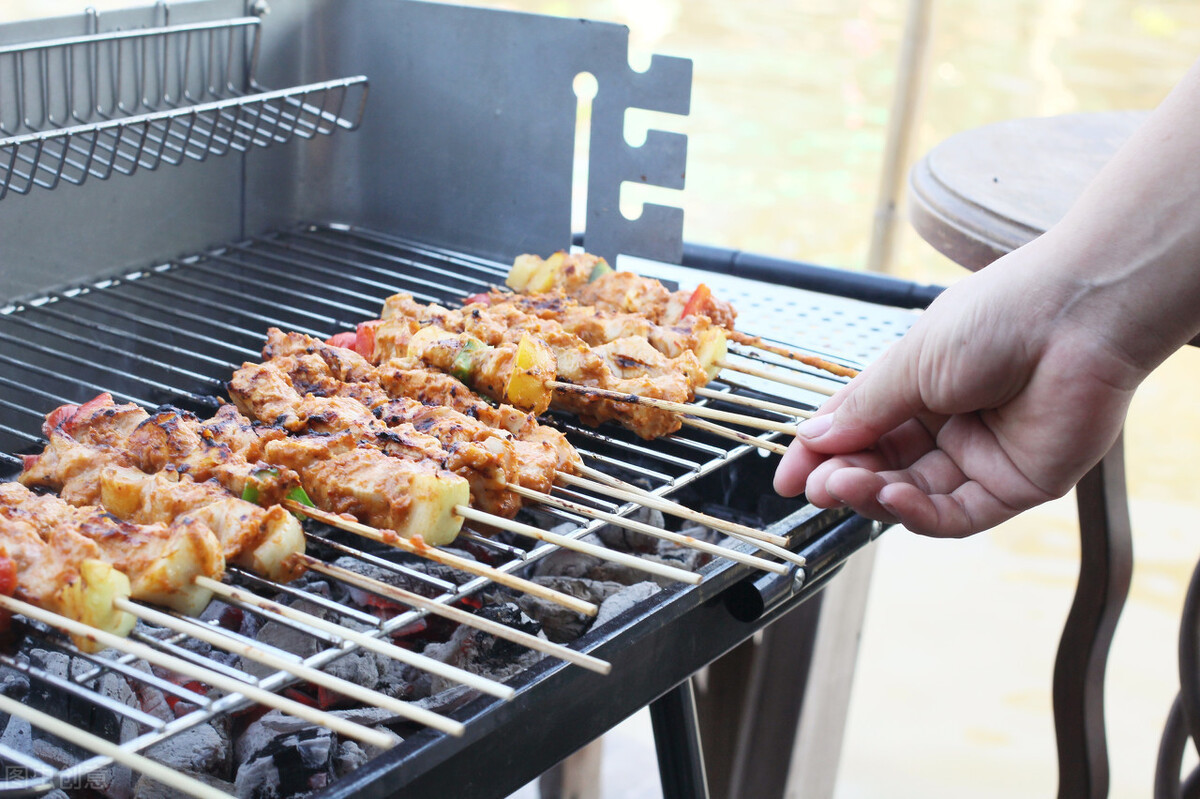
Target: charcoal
x=252 y=743
x=566 y=563
x=360 y=668
x=483 y=653
x=287 y=638
x=349 y=757
x=560 y=624
x=203 y=749
x=630 y=541
x=149 y=788
x=625 y=599
x=290 y=765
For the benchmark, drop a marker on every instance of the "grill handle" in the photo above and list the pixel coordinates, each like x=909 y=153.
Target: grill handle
x=755 y=597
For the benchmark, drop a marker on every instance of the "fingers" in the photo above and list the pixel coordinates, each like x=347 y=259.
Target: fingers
x=879 y=400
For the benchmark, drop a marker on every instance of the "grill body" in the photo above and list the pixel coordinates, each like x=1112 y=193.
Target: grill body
x=152 y=286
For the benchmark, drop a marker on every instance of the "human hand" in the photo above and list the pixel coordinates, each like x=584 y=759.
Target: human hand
x=998 y=399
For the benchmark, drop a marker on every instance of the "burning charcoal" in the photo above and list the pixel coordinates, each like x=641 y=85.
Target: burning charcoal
x=285 y=637
x=566 y=563
x=349 y=757
x=624 y=599
x=147 y=788
x=629 y=541
x=275 y=725
x=482 y=653
x=558 y=623
x=360 y=668
x=203 y=749
x=289 y=765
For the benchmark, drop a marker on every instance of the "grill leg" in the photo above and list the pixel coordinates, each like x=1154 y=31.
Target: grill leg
x=1105 y=570
x=677 y=739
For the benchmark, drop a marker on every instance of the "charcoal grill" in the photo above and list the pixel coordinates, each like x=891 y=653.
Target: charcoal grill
x=461 y=159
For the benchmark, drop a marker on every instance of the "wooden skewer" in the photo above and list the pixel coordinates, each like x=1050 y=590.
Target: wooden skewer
x=603 y=483
x=201 y=674
x=94 y=743
x=398 y=653
x=777 y=377
x=791 y=354
x=604 y=553
x=752 y=402
x=767 y=542
x=646 y=529
x=423 y=550
x=677 y=407
x=217 y=637
x=734 y=435
x=462 y=617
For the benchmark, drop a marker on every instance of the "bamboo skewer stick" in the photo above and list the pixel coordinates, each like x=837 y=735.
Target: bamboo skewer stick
x=646 y=529
x=787 y=380
x=678 y=407
x=601 y=482
x=767 y=542
x=423 y=550
x=94 y=743
x=604 y=553
x=219 y=639
x=792 y=355
x=734 y=435
x=398 y=653
x=463 y=617
x=207 y=676
x=752 y=402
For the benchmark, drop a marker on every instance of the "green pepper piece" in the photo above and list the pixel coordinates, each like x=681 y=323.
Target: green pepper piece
x=464 y=361
x=250 y=493
x=599 y=270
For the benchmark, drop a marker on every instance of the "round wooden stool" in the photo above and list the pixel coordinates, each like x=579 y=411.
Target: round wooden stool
x=981 y=194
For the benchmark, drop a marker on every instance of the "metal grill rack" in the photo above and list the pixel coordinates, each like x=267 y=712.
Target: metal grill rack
x=114 y=102
x=173 y=333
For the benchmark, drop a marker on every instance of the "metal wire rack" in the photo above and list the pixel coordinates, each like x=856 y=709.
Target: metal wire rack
x=115 y=102
x=175 y=331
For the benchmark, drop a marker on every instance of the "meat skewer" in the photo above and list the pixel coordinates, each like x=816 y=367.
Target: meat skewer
x=537 y=445
x=282 y=400
x=591 y=281
x=415 y=497
x=172 y=578
x=311 y=365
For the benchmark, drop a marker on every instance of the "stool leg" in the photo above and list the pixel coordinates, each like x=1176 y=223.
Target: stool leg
x=677 y=739
x=1105 y=570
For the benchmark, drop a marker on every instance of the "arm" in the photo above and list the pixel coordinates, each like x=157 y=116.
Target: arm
x=1016 y=380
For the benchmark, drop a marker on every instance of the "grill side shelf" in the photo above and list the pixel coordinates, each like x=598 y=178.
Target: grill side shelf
x=111 y=103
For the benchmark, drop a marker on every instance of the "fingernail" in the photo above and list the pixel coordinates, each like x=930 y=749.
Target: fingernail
x=815 y=427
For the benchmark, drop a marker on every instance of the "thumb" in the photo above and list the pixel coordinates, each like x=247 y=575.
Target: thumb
x=886 y=394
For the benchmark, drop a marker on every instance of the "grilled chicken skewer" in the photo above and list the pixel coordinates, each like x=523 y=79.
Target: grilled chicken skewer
x=538 y=446
x=117 y=456
x=267 y=391
x=63 y=571
x=591 y=281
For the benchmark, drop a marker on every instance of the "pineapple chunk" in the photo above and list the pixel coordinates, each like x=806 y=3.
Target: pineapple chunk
x=90 y=600
x=533 y=366
x=282 y=537
x=712 y=349
x=522 y=270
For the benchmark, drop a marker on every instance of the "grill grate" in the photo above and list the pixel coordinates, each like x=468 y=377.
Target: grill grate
x=173 y=332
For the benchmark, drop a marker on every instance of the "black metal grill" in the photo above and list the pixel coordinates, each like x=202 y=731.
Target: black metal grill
x=172 y=333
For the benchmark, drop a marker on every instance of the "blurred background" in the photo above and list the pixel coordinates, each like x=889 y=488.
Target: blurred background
x=789 y=110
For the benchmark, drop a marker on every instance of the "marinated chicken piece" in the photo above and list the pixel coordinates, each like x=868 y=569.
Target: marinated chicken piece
x=159 y=561
x=484 y=461
x=576 y=362
x=225 y=448
x=625 y=292
x=695 y=333
x=412 y=498
x=244 y=533
x=407 y=377
x=65 y=575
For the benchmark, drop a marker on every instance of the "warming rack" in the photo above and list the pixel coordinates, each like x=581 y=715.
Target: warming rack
x=114 y=102
x=172 y=333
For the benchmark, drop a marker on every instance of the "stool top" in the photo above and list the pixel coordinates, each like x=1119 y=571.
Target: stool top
x=984 y=192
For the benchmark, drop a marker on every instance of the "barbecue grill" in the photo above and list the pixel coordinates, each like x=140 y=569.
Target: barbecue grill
x=158 y=218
